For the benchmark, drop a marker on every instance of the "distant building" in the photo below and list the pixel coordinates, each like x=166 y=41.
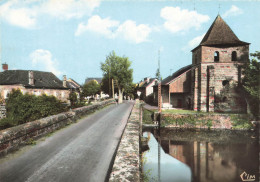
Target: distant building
x=145 y=88
x=209 y=84
x=98 y=80
x=74 y=86
x=33 y=82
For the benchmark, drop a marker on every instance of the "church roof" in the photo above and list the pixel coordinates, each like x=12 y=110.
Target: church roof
x=220 y=33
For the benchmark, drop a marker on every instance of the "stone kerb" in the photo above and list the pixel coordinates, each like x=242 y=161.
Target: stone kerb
x=13 y=138
x=127 y=162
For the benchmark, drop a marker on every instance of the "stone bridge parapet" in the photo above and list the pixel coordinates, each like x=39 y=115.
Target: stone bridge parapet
x=13 y=138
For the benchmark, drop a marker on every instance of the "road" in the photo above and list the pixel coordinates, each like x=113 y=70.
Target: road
x=81 y=152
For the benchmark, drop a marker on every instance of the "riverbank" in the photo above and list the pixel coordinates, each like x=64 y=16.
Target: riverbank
x=193 y=119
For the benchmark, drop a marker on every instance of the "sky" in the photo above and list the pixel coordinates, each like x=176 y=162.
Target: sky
x=73 y=37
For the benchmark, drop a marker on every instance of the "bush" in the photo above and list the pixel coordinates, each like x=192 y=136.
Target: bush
x=24 y=108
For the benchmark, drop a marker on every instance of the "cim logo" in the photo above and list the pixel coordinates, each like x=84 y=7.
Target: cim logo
x=247 y=177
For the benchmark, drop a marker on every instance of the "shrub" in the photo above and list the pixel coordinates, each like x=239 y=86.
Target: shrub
x=24 y=108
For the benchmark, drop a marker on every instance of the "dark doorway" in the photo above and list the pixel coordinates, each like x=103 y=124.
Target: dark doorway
x=179 y=103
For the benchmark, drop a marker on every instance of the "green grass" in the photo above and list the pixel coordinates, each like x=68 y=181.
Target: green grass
x=147 y=116
x=241 y=122
x=179 y=111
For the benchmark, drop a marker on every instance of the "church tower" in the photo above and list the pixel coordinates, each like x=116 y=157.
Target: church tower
x=216 y=70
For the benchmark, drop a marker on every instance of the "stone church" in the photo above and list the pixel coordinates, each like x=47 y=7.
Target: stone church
x=211 y=82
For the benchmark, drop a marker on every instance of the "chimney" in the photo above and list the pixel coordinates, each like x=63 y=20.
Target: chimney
x=31 y=78
x=5 y=66
x=64 y=81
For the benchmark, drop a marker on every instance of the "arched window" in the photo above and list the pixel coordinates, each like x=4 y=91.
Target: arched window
x=216 y=56
x=234 y=56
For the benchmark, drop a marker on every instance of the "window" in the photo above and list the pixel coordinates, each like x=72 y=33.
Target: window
x=225 y=83
x=234 y=56
x=216 y=56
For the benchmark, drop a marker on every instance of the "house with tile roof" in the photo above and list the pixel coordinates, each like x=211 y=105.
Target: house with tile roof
x=145 y=88
x=209 y=83
x=33 y=82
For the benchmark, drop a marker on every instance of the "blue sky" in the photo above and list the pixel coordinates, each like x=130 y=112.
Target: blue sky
x=72 y=37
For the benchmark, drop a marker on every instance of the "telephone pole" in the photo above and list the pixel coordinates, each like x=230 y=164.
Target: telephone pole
x=159 y=86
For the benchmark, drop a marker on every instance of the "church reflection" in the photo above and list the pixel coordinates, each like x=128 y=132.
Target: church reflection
x=211 y=160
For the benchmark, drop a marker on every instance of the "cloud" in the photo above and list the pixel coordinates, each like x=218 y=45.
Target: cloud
x=43 y=59
x=67 y=9
x=196 y=41
x=233 y=11
x=25 y=13
x=177 y=19
x=128 y=30
x=98 y=25
x=193 y=43
x=132 y=32
x=19 y=16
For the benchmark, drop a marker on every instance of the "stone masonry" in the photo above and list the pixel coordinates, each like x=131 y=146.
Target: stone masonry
x=127 y=162
x=2 y=111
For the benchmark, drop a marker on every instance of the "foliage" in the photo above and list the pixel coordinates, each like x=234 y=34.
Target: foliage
x=1 y=100
x=179 y=111
x=251 y=83
x=105 y=85
x=241 y=122
x=73 y=98
x=131 y=91
x=91 y=88
x=24 y=108
x=158 y=75
x=147 y=116
x=118 y=69
x=193 y=120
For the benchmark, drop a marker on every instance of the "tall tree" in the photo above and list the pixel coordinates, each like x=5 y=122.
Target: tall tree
x=118 y=69
x=251 y=82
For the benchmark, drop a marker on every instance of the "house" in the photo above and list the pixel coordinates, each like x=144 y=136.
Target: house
x=33 y=82
x=145 y=88
x=73 y=86
x=176 y=89
x=210 y=82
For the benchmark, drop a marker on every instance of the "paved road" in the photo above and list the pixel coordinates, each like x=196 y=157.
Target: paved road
x=80 y=152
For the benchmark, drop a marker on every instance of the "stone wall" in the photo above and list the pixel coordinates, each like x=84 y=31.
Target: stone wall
x=127 y=162
x=203 y=120
x=13 y=138
x=213 y=86
x=2 y=111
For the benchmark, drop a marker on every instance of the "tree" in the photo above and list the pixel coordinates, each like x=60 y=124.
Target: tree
x=158 y=75
x=91 y=88
x=251 y=83
x=131 y=91
x=73 y=98
x=118 y=69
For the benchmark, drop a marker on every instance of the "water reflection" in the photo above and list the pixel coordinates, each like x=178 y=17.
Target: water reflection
x=201 y=156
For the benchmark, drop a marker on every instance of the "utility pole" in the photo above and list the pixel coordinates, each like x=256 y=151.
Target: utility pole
x=113 y=91
x=159 y=87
